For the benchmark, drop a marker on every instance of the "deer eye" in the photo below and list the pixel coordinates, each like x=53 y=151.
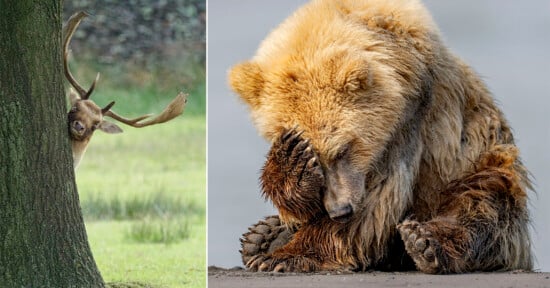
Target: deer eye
x=95 y=126
x=74 y=109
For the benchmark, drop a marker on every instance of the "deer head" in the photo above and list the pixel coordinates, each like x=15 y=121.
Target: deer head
x=85 y=116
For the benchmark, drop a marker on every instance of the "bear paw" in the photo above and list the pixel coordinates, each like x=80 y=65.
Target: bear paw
x=420 y=245
x=296 y=159
x=264 y=237
x=292 y=178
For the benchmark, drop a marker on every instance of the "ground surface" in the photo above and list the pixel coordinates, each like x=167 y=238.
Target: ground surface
x=218 y=277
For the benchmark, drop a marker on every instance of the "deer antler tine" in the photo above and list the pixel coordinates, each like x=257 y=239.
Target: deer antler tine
x=70 y=28
x=171 y=111
x=92 y=87
x=106 y=108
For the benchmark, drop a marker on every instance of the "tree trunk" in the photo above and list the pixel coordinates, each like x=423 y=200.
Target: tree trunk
x=43 y=240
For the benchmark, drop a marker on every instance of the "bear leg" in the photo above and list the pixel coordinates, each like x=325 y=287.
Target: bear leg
x=292 y=178
x=320 y=244
x=482 y=223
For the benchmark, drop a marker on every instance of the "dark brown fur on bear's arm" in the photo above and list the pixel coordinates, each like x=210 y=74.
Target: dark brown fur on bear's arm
x=292 y=179
x=311 y=248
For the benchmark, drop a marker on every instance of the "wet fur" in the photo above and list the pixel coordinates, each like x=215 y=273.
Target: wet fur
x=444 y=185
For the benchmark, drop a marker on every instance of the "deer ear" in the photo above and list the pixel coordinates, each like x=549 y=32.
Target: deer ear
x=73 y=96
x=246 y=80
x=109 y=127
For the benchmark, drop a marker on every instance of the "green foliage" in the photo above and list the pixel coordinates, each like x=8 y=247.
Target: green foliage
x=139 y=29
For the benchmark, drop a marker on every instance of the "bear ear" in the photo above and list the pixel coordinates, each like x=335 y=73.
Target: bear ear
x=355 y=76
x=247 y=81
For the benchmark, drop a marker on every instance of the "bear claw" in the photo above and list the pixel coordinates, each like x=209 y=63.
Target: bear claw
x=291 y=131
x=263 y=263
x=272 y=263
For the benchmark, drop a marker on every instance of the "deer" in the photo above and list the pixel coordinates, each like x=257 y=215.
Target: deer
x=85 y=116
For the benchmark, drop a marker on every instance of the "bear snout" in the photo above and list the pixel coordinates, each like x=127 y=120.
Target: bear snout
x=341 y=213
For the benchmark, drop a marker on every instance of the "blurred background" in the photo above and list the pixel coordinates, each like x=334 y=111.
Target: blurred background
x=506 y=42
x=143 y=192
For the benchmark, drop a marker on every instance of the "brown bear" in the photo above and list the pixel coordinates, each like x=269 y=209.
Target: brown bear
x=388 y=152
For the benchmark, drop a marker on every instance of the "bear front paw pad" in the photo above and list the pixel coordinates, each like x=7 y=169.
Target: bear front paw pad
x=420 y=245
x=264 y=237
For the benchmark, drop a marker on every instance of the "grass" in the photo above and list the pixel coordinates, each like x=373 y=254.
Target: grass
x=166 y=231
x=181 y=264
x=143 y=195
x=97 y=207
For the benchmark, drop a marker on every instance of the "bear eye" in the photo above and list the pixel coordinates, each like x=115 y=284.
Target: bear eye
x=342 y=153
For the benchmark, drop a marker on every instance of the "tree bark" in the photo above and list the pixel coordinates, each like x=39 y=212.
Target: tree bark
x=43 y=240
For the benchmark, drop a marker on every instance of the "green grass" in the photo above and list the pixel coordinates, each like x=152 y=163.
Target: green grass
x=181 y=264
x=143 y=195
x=97 y=207
x=167 y=230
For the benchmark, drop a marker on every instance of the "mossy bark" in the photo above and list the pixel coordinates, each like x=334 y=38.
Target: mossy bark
x=43 y=240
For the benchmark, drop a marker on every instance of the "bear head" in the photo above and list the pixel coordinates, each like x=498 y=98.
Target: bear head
x=343 y=88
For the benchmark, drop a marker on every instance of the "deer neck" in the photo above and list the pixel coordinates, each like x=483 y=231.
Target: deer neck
x=79 y=148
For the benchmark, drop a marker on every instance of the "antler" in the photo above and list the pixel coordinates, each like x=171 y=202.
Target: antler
x=70 y=28
x=173 y=109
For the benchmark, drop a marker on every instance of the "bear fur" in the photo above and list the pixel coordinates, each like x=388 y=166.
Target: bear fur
x=388 y=152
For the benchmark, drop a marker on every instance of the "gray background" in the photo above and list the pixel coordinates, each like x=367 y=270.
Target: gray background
x=507 y=42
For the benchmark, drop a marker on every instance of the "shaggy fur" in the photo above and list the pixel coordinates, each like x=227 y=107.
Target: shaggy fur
x=398 y=152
